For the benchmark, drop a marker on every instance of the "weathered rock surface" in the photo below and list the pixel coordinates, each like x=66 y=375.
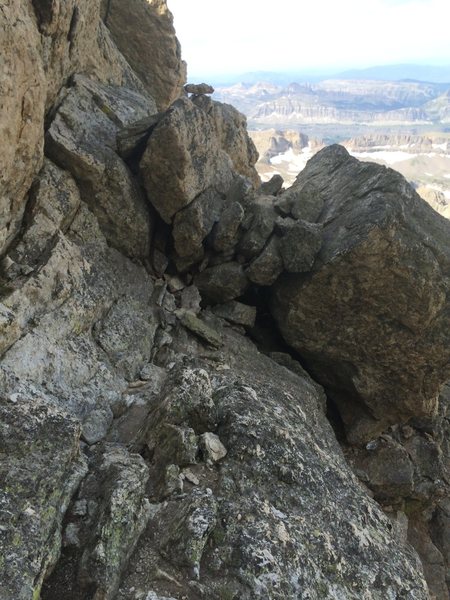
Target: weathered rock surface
x=82 y=139
x=183 y=158
x=42 y=46
x=106 y=519
x=231 y=128
x=144 y=33
x=275 y=512
x=240 y=489
x=23 y=96
x=371 y=319
x=40 y=469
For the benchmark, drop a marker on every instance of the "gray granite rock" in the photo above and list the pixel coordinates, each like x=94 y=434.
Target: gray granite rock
x=82 y=140
x=371 y=318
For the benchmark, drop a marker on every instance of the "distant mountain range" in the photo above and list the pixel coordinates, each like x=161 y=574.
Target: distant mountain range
x=427 y=73
x=348 y=101
x=398 y=72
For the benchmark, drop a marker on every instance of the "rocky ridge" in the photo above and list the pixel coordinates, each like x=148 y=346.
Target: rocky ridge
x=157 y=440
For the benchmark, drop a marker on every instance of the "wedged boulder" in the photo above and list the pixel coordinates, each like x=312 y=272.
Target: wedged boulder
x=299 y=245
x=371 y=319
x=143 y=31
x=273 y=186
x=82 y=140
x=183 y=158
x=192 y=224
x=222 y=283
x=268 y=266
x=301 y=201
x=132 y=139
x=259 y=222
x=40 y=469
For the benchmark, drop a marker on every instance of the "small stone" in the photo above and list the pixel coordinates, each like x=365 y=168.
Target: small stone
x=190 y=299
x=160 y=262
x=175 y=284
x=189 y=476
x=71 y=535
x=173 y=482
x=201 y=329
x=273 y=186
x=80 y=508
x=372 y=445
x=407 y=431
x=237 y=313
x=212 y=447
x=96 y=425
x=176 y=445
x=198 y=89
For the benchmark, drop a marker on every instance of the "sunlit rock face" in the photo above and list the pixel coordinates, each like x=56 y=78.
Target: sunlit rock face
x=144 y=33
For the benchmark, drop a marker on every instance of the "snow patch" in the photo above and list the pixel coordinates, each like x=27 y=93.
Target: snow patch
x=388 y=157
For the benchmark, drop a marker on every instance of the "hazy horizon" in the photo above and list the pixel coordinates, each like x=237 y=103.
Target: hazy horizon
x=322 y=37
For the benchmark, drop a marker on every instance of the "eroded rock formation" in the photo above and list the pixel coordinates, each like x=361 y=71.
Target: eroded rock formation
x=149 y=449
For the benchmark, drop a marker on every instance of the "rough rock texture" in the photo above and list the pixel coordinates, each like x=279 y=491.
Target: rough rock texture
x=275 y=513
x=182 y=159
x=43 y=44
x=377 y=339
x=149 y=450
x=82 y=139
x=144 y=33
x=40 y=469
x=231 y=128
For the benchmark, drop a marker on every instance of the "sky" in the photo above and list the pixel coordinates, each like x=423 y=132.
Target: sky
x=237 y=36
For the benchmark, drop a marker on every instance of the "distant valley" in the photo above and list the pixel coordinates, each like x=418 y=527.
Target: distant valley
x=350 y=104
x=403 y=124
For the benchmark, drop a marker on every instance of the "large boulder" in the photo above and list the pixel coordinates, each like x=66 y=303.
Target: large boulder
x=144 y=33
x=371 y=319
x=183 y=158
x=231 y=127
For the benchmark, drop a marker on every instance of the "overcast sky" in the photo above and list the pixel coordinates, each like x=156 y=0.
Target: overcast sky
x=235 y=36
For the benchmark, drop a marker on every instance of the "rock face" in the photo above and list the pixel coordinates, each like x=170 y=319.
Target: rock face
x=82 y=139
x=144 y=33
x=40 y=469
x=43 y=45
x=371 y=318
x=149 y=449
